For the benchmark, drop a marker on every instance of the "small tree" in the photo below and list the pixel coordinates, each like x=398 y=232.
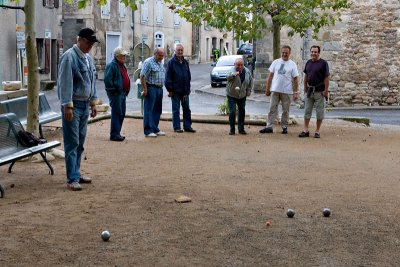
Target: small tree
x=247 y=19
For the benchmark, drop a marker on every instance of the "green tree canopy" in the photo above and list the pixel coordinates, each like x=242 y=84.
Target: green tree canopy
x=248 y=18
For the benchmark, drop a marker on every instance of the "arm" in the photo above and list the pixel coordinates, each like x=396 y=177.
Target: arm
x=232 y=74
x=295 y=88
x=326 y=83
x=169 y=77
x=305 y=83
x=269 y=82
x=65 y=84
x=250 y=86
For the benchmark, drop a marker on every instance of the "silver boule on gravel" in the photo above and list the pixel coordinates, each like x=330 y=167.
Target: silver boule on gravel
x=105 y=235
x=290 y=213
x=326 y=212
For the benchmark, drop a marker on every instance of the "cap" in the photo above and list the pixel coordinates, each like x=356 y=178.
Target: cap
x=88 y=34
x=120 y=51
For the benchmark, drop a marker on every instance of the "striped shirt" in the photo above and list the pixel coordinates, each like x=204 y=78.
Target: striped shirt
x=153 y=72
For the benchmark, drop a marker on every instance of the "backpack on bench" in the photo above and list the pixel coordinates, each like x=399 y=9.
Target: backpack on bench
x=27 y=139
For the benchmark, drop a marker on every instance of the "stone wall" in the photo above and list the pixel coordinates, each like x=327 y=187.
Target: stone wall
x=363 y=54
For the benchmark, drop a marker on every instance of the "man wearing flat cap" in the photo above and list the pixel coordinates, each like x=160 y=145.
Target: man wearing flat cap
x=118 y=85
x=76 y=87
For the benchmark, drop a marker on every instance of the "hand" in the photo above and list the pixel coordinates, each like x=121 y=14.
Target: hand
x=68 y=113
x=170 y=94
x=93 y=111
x=295 y=96
x=325 y=93
x=236 y=73
x=268 y=92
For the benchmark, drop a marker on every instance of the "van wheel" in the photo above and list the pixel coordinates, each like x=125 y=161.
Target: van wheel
x=213 y=85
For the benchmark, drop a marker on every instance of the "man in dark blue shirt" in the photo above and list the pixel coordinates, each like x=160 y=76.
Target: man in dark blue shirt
x=177 y=82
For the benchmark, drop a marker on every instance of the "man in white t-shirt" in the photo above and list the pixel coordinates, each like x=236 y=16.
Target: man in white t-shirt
x=282 y=83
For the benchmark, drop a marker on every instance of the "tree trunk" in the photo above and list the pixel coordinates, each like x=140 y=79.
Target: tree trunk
x=276 y=41
x=33 y=74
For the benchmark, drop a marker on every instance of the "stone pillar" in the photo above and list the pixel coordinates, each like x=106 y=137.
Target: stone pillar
x=264 y=59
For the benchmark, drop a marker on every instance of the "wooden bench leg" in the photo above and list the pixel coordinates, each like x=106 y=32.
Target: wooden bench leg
x=47 y=162
x=41 y=131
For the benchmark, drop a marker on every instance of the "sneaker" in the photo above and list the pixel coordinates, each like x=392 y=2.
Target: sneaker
x=151 y=135
x=231 y=133
x=304 y=134
x=267 y=130
x=74 y=186
x=190 y=130
x=284 y=130
x=317 y=135
x=85 y=180
x=117 y=138
x=178 y=130
x=160 y=133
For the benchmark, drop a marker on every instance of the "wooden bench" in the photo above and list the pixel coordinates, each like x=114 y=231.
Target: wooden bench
x=11 y=149
x=18 y=106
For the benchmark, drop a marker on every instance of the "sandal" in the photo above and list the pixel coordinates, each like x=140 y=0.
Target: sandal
x=304 y=134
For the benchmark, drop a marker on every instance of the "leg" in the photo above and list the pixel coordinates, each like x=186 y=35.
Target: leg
x=149 y=102
x=187 y=113
x=157 y=109
x=116 y=114
x=285 y=100
x=241 y=103
x=320 y=109
x=308 y=112
x=273 y=109
x=83 y=121
x=232 y=113
x=176 y=120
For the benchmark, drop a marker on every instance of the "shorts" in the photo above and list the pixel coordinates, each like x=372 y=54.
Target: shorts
x=318 y=99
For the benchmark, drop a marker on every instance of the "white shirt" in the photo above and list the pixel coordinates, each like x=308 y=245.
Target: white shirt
x=284 y=72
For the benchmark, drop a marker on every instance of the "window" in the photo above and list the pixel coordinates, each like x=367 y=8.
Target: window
x=177 y=19
x=105 y=10
x=122 y=10
x=47 y=3
x=144 y=11
x=159 y=11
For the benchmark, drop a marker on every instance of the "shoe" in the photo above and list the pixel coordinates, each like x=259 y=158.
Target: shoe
x=85 y=180
x=74 y=186
x=160 y=133
x=190 y=130
x=151 y=135
x=284 y=130
x=231 y=133
x=117 y=138
x=267 y=130
x=317 y=135
x=242 y=132
x=304 y=134
x=178 y=130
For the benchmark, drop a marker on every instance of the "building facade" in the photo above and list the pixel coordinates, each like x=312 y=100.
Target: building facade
x=48 y=37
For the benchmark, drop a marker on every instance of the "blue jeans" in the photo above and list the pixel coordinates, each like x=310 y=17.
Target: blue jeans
x=241 y=104
x=152 y=109
x=177 y=100
x=74 y=137
x=118 y=111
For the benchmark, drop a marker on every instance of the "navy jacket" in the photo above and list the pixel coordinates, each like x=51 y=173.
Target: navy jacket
x=113 y=78
x=177 y=76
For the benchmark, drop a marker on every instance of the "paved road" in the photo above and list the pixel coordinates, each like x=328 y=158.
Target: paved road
x=205 y=100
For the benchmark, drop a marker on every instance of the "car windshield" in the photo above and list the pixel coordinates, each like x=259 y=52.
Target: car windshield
x=226 y=61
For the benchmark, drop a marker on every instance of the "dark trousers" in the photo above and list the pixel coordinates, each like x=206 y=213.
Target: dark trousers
x=241 y=104
x=118 y=110
x=177 y=100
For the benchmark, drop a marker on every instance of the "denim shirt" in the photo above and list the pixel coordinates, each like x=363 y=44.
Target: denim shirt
x=76 y=80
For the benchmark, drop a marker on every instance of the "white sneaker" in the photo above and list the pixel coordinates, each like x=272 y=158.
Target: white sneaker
x=160 y=133
x=151 y=135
